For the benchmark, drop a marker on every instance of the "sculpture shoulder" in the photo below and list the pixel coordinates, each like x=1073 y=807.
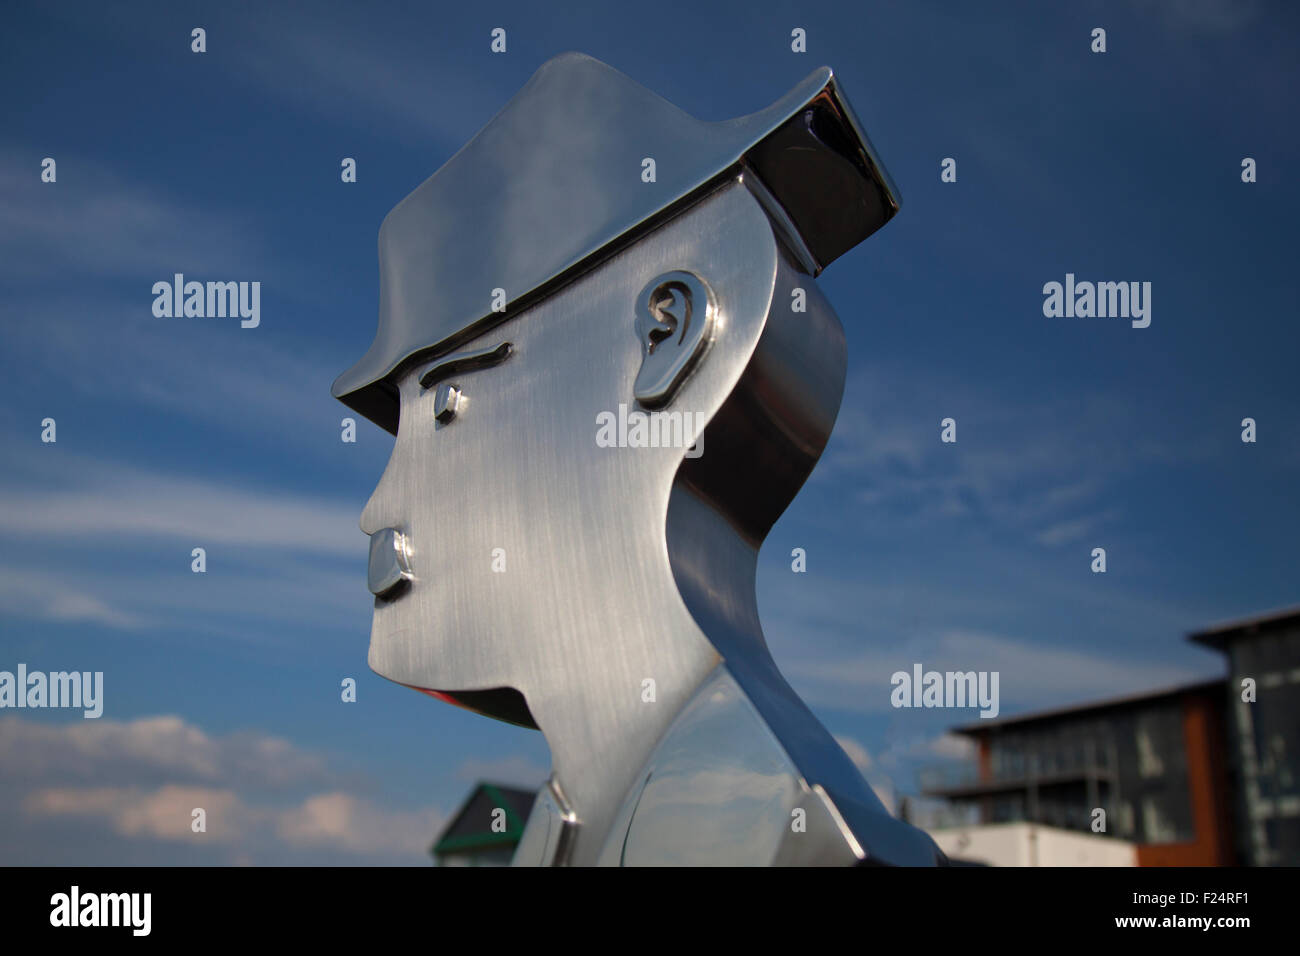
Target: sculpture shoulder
x=719 y=790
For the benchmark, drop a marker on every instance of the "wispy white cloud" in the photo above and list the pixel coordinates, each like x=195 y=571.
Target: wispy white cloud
x=337 y=822
x=320 y=66
x=273 y=556
x=103 y=499
x=1031 y=674
x=100 y=342
x=93 y=222
x=1205 y=16
x=153 y=749
x=925 y=747
x=343 y=821
x=239 y=381
x=343 y=64
x=165 y=813
x=1074 y=529
x=1011 y=467
x=154 y=598
x=52 y=597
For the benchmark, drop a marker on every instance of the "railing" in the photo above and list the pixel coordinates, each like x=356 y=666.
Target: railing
x=1013 y=766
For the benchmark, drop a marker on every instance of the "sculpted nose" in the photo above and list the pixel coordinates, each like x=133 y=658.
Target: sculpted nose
x=380 y=511
x=370 y=523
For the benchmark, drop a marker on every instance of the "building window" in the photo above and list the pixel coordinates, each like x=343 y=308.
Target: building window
x=1149 y=746
x=1157 y=823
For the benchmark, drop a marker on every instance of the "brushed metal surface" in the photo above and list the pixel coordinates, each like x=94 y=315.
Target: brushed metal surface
x=675 y=317
x=554 y=181
x=586 y=609
x=613 y=587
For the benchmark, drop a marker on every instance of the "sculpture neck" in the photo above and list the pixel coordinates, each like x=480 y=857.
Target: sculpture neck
x=601 y=740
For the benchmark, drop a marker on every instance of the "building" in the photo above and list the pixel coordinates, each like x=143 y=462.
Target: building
x=486 y=829
x=1198 y=775
x=1153 y=765
x=1264 y=733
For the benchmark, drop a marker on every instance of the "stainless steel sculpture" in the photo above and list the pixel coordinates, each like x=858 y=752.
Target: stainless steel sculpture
x=539 y=287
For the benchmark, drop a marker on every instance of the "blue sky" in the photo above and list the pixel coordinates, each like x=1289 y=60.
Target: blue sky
x=174 y=434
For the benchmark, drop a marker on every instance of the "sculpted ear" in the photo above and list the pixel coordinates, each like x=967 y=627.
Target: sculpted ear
x=675 y=318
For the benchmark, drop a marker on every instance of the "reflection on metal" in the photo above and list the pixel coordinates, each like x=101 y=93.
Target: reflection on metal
x=675 y=315
x=557 y=175
x=547 y=839
x=390 y=562
x=606 y=595
x=717 y=754
x=465 y=362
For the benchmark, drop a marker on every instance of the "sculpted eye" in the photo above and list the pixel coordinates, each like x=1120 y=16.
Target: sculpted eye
x=446 y=401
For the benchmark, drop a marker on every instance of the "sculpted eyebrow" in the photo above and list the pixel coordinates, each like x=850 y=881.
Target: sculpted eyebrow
x=465 y=362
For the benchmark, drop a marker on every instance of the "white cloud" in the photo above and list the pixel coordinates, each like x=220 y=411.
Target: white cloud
x=144 y=778
x=343 y=821
x=52 y=597
x=268 y=594
x=94 y=222
x=106 y=500
x=1075 y=529
x=951 y=747
x=157 y=748
x=245 y=383
x=273 y=555
x=165 y=813
x=330 y=821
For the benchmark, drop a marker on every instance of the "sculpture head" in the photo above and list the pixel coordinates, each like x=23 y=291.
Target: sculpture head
x=554 y=332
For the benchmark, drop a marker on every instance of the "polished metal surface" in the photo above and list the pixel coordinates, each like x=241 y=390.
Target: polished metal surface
x=446 y=402
x=718 y=789
x=552 y=825
x=466 y=361
x=675 y=316
x=722 y=790
x=390 y=562
x=605 y=595
x=555 y=180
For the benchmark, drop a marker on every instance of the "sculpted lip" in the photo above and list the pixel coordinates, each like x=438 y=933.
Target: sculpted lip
x=390 y=562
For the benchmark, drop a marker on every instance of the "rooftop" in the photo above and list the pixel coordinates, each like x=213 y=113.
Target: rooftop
x=470 y=829
x=1217 y=636
x=1074 y=710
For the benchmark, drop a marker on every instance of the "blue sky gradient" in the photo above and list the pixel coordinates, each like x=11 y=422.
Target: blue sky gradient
x=178 y=433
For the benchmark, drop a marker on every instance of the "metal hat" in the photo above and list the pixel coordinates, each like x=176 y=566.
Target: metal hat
x=554 y=182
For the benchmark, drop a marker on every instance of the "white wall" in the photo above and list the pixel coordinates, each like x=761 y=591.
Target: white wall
x=1028 y=844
